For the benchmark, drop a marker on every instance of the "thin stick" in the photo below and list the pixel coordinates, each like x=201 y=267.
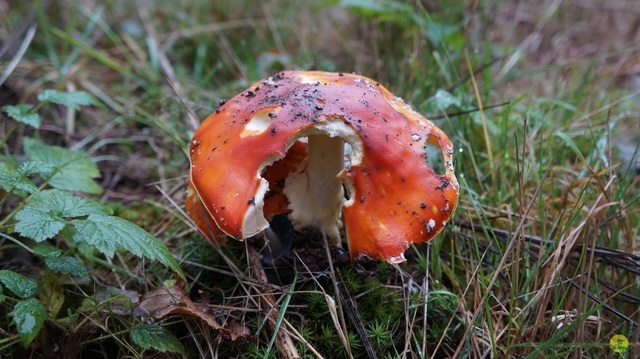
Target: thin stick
x=16 y=59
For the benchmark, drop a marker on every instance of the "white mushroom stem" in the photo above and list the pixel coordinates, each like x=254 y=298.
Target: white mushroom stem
x=315 y=194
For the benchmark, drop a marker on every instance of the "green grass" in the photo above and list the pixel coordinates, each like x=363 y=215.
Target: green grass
x=540 y=259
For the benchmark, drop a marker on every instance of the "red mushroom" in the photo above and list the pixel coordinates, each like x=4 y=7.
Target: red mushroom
x=275 y=201
x=393 y=197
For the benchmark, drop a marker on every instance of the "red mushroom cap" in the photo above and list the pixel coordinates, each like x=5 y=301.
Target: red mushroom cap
x=275 y=201
x=394 y=197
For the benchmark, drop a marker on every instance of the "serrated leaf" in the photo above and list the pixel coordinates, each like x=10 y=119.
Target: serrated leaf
x=28 y=316
x=38 y=223
x=65 y=204
x=66 y=265
x=12 y=181
x=21 y=113
x=44 y=215
x=107 y=233
x=70 y=99
x=31 y=167
x=76 y=171
x=152 y=336
x=20 y=285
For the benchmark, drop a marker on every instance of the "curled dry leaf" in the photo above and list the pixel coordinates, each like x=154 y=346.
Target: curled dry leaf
x=175 y=301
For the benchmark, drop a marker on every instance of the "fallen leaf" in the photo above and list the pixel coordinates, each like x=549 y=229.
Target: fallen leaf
x=175 y=301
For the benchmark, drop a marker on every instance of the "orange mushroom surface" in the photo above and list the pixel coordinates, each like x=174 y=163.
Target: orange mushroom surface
x=393 y=196
x=275 y=200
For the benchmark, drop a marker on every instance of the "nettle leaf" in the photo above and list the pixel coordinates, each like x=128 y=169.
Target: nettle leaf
x=152 y=336
x=21 y=113
x=65 y=204
x=31 y=167
x=70 y=99
x=107 y=233
x=38 y=224
x=20 y=285
x=66 y=265
x=12 y=181
x=45 y=214
x=76 y=171
x=28 y=316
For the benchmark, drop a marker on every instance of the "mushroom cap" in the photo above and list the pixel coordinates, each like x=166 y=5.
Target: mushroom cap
x=394 y=197
x=204 y=222
x=275 y=201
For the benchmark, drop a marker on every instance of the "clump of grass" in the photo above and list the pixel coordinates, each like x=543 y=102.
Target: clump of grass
x=539 y=260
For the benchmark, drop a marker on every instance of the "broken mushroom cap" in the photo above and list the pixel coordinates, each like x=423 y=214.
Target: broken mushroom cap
x=275 y=201
x=393 y=196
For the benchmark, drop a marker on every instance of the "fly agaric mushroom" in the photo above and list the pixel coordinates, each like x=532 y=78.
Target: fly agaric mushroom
x=275 y=201
x=393 y=197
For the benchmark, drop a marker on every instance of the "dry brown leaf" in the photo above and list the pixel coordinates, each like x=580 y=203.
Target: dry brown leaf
x=175 y=301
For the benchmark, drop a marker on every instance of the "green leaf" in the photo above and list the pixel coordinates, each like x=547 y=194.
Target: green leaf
x=13 y=182
x=443 y=99
x=569 y=142
x=66 y=265
x=47 y=250
x=17 y=180
x=365 y=5
x=31 y=167
x=107 y=233
x=21 y=113
x=44 y=216
x=38 y=223
x=20 y=285
x=28 y=316
x=152 y=336
x=439 y=102
x=70 y=99
x=76 y=171
x=65 y=204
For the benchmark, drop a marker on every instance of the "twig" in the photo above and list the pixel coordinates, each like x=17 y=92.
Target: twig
x=605 y=305
x=16 y=59
x=460 y=113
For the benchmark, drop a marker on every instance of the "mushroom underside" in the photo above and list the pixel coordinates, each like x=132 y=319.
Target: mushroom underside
x=318 y=191
x=315 y=191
